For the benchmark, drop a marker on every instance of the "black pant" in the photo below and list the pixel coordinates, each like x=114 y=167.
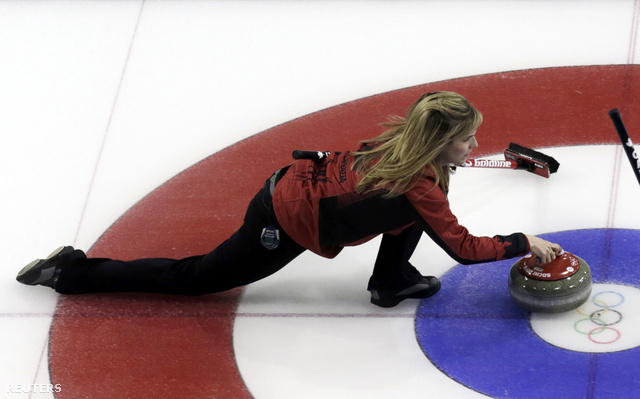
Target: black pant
x=392 y=269
x=238 y=261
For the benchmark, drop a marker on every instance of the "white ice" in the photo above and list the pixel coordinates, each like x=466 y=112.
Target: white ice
x=103 y=101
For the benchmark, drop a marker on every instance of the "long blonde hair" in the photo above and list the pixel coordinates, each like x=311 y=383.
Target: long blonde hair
x=396 y=159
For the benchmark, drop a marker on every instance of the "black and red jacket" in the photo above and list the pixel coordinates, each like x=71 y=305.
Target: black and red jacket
x=317 y=205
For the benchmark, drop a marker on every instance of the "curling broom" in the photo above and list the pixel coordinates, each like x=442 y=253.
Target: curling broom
x=516 y=157
x=313 y=155
x=519 y=157
x=627 y=144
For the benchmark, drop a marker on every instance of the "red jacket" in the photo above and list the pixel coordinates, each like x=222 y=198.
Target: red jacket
x=317 y=205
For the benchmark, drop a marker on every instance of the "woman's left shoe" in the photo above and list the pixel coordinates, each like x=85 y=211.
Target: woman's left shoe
x=429 y=286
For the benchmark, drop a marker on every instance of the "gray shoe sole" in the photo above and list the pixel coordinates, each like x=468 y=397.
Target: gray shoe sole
x=40 y=270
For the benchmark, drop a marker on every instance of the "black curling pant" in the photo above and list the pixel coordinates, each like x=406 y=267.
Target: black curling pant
x=392 y=269
x=238 y=261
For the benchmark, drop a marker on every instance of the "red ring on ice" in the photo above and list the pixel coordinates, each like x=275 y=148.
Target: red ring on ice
x=106 y=346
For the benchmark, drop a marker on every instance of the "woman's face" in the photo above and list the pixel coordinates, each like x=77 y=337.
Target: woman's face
x=457 y=151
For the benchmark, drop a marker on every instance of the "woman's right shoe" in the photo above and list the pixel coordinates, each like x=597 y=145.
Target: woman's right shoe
x=429 y=286
x=44 y=271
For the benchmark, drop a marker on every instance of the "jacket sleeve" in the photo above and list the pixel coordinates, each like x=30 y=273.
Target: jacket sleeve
x=433 y=214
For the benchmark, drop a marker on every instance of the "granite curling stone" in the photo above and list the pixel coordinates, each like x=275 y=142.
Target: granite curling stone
x=558 y=286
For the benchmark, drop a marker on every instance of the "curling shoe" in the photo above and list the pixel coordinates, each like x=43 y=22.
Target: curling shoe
x=44 y=271
x=429 y=286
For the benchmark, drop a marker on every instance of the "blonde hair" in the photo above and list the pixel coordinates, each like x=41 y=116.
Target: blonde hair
x=396 y=159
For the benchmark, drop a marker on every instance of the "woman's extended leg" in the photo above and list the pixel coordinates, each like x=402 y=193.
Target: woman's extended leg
x=238 y=261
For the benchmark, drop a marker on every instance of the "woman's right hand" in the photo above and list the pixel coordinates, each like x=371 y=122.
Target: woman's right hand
x=543 y=249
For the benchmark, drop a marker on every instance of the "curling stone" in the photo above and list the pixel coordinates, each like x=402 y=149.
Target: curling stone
x=558 y=286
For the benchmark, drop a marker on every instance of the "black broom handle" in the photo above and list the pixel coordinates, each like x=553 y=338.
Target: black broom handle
x=614 y=114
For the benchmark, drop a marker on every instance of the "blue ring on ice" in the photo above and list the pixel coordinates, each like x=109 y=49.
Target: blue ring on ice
x=474 y=333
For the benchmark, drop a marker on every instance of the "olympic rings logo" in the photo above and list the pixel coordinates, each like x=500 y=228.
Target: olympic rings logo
x=597 y=326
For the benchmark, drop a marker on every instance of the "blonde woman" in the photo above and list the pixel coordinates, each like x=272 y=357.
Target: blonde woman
x=394 y=185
